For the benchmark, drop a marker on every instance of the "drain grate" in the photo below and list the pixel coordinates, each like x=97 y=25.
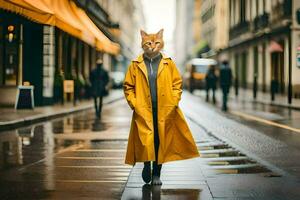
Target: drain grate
x=224 y=159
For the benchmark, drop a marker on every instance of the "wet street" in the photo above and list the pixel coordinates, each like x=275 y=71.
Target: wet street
x=76 y=157
x=81 y=157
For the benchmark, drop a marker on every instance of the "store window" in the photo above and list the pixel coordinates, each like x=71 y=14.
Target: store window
x=10 y=54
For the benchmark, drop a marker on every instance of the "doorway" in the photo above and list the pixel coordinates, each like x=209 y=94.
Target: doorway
x=277 y=71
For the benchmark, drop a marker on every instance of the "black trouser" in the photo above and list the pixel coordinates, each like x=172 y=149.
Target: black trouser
x=156 y=167
x=213 y=94
x=225 y=90
x=98 y=105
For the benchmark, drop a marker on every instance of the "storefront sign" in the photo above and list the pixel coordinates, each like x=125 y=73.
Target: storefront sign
x=68 y=86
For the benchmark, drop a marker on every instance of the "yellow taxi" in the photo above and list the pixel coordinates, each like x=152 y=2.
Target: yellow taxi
x=195 y=72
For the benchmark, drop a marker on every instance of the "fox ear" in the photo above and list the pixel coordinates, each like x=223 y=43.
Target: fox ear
x=160 y=33
x=143 y=33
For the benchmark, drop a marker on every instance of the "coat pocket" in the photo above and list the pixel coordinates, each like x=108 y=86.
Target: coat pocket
x=143 y=131
x=169 y=112
x=142 y=120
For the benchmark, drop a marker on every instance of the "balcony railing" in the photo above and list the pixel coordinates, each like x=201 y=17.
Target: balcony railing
x=239 y=29
x=261 y=21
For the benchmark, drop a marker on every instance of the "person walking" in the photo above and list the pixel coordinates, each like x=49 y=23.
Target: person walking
x=211 y=82
x=225 y=82
x=99 y=79
x=159 y=132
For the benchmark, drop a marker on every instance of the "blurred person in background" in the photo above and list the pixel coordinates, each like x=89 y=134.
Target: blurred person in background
x=99 y=79
x=225 y=82
x=211 y=83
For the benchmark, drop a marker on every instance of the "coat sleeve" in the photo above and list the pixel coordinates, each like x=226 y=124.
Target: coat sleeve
x=176 y=83
x=129 y=86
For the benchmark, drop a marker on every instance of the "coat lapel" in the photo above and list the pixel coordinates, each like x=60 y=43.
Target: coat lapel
x=163 y=62
x=142 y=66
x=161 y=66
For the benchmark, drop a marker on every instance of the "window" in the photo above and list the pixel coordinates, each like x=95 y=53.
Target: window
x=9 y=50
x=242 y=10
x=201 y=68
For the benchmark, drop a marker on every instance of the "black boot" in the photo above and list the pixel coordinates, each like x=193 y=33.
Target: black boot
x=156 y=174
x=146 y=173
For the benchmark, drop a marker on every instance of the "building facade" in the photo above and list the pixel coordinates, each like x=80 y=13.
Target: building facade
x=130 y=17
x=209 y=29
x=214 y=25
x=263 y=46
x=45 y=42
x=183 y=36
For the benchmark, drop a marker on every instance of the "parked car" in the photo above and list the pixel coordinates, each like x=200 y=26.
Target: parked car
x=195 y=71
x=117 y=79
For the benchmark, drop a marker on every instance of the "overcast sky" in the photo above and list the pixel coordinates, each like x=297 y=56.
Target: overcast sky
x=161 y=14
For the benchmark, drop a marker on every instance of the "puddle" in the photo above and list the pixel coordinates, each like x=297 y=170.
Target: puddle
x=156 y=192
x=29 y=144
x=79 y=123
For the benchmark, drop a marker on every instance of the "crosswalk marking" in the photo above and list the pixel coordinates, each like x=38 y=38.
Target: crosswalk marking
x=100 y=150
x=92 y=181
x=91 y=158
x=97 y=167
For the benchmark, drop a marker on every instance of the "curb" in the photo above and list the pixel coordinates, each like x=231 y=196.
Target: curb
x=269 y=103
x=44 y=117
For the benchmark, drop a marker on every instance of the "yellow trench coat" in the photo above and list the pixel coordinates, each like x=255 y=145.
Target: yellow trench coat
x=176 y=141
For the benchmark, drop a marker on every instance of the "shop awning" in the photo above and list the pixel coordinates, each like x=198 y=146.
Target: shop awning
x=275 y=47
x=102 y=42
x=35 y=10
x=65 y=15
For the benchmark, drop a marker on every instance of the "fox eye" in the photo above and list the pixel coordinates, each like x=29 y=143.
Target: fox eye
x=157 y=42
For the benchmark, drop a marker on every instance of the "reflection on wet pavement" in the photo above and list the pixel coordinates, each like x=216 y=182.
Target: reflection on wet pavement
x=155 y=192
x=98 y=125
x=33 y=143
x=76 y=156
x=273 y=113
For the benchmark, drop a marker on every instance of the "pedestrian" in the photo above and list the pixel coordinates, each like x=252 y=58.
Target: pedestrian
x=159 y=132
x=211 y=82
x=99 y=79
x=225 y=82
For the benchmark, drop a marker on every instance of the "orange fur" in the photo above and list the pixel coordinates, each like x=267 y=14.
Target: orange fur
x=152 y=44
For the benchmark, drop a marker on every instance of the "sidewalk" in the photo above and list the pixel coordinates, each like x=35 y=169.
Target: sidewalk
x=265 y=98
x=181 y=179
x=261 y=97
x=11 y=118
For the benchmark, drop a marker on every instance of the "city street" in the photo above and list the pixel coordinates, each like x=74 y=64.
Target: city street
x=89 y=85
x=81 y=157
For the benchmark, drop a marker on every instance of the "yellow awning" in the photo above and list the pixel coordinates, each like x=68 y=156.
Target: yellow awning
x=65 y=15
x=36 y=11
x=102 y=42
